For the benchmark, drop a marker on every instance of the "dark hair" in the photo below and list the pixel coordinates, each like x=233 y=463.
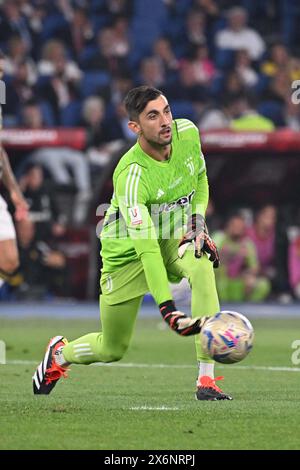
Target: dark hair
x=137 y=99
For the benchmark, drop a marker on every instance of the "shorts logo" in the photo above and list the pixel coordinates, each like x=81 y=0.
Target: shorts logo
x=135 y=215
x=109 y=284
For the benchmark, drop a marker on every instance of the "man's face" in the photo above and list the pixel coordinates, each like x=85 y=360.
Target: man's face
x=155 y=122
x=236 y=228
x=32 y=117
x=267 y=218
x=35 y=178
x=238 y=21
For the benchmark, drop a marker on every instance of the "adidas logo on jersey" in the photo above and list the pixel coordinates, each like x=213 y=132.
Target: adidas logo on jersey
x=160 y=193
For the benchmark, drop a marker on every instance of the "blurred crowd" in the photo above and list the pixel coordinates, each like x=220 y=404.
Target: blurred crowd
x=217 y=61
x=224 y=64
x=260 y=256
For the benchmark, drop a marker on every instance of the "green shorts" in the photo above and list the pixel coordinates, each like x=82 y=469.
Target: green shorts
x=129 y=281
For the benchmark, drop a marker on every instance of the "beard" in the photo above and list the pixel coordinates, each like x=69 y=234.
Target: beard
x=159 y=143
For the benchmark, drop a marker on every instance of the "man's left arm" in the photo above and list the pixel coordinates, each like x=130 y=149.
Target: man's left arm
x=197 y=231
x=12 y=186
x=200 y=199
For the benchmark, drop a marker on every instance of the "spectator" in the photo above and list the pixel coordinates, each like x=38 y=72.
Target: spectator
x=250 y=119
x=281 y=61
x=203 y=68
x=60 y=85
x=119 y=7
x=121 y=37
x=80 y=33
x=209 y=6
x=294 y=263
x=152 y=73
x=278 y=60
x=233 y=84
x=109 y=57
x=44 y=212
x=19 y=90
x=54 y=62
x=13 y=22
x=31 y=117
x=35 y=15
x=238 y=36
x=93 y=119
x=43 y=266
x=119 y=87
x=186 y=87
x=279 y=89
x=67 y=167
x=237 y=276
x=102 y=135
x=214 y=117
x=211 y=10
x=162 y=50
x=243 y=66
x=17 y=53
x=290 y=13
x=44 y=269
x=195 y=28
x=263 y=234
x=121 y=123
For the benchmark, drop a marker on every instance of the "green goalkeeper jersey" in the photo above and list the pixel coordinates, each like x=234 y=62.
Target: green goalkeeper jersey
x=151 y=202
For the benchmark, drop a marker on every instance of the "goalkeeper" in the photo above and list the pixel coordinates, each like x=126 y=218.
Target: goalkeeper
x=154 y=233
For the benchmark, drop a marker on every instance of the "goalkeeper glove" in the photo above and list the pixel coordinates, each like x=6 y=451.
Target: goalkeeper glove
x=197 y=233
x=178 y=321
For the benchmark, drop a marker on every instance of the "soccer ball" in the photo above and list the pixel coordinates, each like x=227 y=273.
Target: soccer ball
x=227 y=337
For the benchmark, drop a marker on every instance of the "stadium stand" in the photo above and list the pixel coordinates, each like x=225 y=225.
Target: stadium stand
x=59 y=54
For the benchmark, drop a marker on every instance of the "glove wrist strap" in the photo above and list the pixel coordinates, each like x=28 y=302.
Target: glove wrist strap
x=167 y=307
x=196 y=223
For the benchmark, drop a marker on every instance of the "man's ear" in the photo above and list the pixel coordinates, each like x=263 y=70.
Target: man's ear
x=134 y=127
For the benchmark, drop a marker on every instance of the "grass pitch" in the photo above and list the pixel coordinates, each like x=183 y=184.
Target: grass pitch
x=146 y=401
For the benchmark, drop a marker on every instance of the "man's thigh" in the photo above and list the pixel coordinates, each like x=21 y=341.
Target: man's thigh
x=118 y=323
x=9 y=257
x=7 y=228
x=124 y=284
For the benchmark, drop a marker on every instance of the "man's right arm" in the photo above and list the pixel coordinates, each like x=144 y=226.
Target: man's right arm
x=132 y=195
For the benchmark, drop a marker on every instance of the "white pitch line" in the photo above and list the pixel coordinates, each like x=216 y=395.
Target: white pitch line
x=172 y=366
x=154 y=408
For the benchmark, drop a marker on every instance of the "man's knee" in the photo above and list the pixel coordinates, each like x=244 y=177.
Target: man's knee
x=201 y=269
x=9 y=265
